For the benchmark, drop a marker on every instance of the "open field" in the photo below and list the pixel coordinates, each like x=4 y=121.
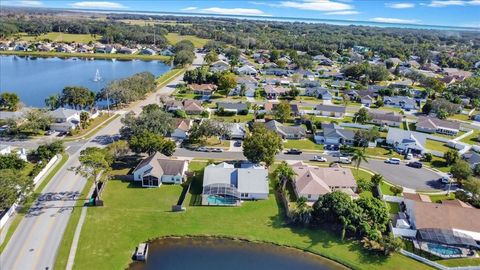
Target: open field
x=89 y=55
x=147 y=215
x=59 y=37
x=173 y=38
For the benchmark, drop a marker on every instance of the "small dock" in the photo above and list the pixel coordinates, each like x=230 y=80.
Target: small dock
x=141 y=253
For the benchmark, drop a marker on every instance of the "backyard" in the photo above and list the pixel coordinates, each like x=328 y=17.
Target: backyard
x=60 y=37
x=148 y=215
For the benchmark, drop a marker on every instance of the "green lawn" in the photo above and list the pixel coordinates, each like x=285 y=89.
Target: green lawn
x=60 y=37
x=472 y=138
x=462 y=117
x=393 y=208
x=439 y=164
x=437 y=146
x=385 y=188
x=235 y=118
x=173 y=38
x=460 y=262
x=439 y=198
x=305 y=144
x=168 y=76
x=111 y=233
x=94 y=123
x=381 y=152
x=346 y=119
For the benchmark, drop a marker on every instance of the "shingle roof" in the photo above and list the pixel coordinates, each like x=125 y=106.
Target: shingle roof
x=316 y=180
x=385 y=116
x=331 y=108
x=284 y=130
x=233 y=105
x=432 y=122
x=63 y=113
x=162 y=165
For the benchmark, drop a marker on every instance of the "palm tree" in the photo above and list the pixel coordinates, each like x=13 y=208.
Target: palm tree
x=358 y=157
x=255 y=109
x=283 y=174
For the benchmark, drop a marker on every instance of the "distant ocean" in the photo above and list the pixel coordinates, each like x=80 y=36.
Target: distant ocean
x=291 y=19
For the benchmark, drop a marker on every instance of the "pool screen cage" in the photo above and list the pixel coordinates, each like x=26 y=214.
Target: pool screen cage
x=448 y=237
x=224 y=190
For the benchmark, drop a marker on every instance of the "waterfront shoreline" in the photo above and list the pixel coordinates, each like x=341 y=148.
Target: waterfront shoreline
x=162 y=58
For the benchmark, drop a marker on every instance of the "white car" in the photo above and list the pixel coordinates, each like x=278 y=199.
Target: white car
x=319 y=159
x=393 y=161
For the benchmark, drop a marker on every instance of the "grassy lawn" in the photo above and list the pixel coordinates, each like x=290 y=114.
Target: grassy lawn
x=472 y=138
x=28 y=203
x=165 y=78
x=305 y=144
x=89 y=55
x=173 y=38
x=381 y=152
x=439 y=164
x=94 y=123
x=346 y=119
x=393 y=208
x=60 y=37
x=441 y=197
x=460 y=262
x=111 y=233
x=462 y=117
x=385 y=188
x=235 y=118
x=437 y=146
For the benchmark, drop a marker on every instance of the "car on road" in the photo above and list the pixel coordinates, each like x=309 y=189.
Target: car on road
x=293 y=151
x=319 y=159
x=202 y=149
x=444 y=180
x=393 y=161
x=415 y=164
x=216 y=150
x=237 y=144
x=344 y=160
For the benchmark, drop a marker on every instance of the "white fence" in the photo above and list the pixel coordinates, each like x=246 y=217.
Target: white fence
x=354 y=125
x=11 y=211
x=394 y=199
x=434 y=264
x=404 y=232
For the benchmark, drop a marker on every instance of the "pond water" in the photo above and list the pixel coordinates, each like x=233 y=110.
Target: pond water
x=211 y=253
x=34 y=78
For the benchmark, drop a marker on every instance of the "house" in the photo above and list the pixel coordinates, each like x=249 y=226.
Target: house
x=286 y=132
x=223 y=184
x=20 y=47
x=473 y=158
x=157 y=169
x=275 y=71
x=64 y=49
x=406 y=83
x=311 y=182
x=406 y=103
x=323 y=60
x=44 y=47
x=219 y=66
x=167 y=52
x=237 y=131
x=192 y=107
x=64 y=119
x=407 y=141
x=384 y=118
x=319 y=92
x=6 y=150
x=331 y=110
x=335 y=75
x=367 y=100
x=456 y=73
x=450 y=224
x=248 y=82
x=334 y=134
x=206 y=89
x=105 y=49
x=434 y=125
x=360 y=49
x=273 y=92
x=125 y=50
x=233 y=106
x=182 y=126
x=173 y=105
x=343 y=84
x=147 y=51
x=247 y=70
x=84 y=49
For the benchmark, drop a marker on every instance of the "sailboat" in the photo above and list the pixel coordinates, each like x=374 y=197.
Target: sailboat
x=97 y=77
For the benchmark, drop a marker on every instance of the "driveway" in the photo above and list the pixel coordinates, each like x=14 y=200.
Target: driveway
x=418 y=179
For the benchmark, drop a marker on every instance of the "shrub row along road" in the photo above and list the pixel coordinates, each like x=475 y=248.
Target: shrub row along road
x=35 y=242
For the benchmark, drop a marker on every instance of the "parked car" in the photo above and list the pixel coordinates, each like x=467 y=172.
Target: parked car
x=415 y=164
x=293 y=151
x=216 y=150
x=319 y=159
x=393 y=161
x=237 y=143
x=344 y=160
x=409 y=156
x=202 y=149
x=444 y=180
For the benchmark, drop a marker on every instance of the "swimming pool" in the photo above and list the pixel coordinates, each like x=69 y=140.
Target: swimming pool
x=217 y=200
x=444 y=250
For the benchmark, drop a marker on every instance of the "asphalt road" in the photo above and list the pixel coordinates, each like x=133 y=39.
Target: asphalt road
x=417 y=179
x=35 y=242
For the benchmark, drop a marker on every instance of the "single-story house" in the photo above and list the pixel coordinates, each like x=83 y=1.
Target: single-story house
x=105 y=49
x=182 y=126
x=219 y=66
x=237 y=131
x=148 y=51
x=275 y=71
x=384 y=118
x=336 y=75
x=323 y=60
x=223 y=184
x=367 y=100
x=7 y=149
x=248 y=82
x=407 y=141
x=473 y=158
x=319 y=92
x=206 y=89
x=64 y=119
x=273 y=92
x=157 y=169
x=331 y=110
x=434 y=125
x=403 y=102
x=173 y=105
x=311 y=182
x=192 y=107
x=233 y=106
x=247 y=70
x=334 y=134
x=126 y=50
x=167 y=52
x=286 y=132
x=342 y=84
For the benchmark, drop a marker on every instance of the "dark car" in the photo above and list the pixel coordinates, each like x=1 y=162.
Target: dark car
x=237 y=144
x=415 y=164
x=293 y=151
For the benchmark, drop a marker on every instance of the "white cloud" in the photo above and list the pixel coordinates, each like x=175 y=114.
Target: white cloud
x=400 y=5
x=317 y=5
x=393 y=20
x=189 y=8
x=345 y=12
x=235 y=11
x=446 y=3
x=100 y=4
x=25 y=3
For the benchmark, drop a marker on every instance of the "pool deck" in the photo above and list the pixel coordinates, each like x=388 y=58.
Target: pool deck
x=466 y=253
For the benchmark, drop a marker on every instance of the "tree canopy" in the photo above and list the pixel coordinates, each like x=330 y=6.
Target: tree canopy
x=262 y=145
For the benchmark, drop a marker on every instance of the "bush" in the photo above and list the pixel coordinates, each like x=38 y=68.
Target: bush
x=427 y=157
x=396 y=190
x=222 y=112
x=243 y=112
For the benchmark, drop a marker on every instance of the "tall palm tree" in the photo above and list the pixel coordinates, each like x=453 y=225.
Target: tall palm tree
x=283 y=174
x=358 y=157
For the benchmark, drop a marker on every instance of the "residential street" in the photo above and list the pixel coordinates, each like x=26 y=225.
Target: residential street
x=36 y=240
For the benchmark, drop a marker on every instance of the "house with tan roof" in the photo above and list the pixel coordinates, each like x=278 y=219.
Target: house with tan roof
x=205 y=89
x=311 y=182
x=330 y=110
x=273 y=91
x=384 y=118
x=157 y=169
x=192 y=106
x=434 y=125
x=182 y=126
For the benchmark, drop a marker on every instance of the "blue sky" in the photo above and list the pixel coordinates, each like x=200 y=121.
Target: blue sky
x=464 y=13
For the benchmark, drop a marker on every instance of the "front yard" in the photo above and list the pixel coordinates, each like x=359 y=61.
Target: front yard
x=132 y=215
x=472 y=138
x=437 y=146
x=305 y=144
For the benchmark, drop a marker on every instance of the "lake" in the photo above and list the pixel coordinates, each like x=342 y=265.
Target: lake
x=34 y=79
x=202 y=253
